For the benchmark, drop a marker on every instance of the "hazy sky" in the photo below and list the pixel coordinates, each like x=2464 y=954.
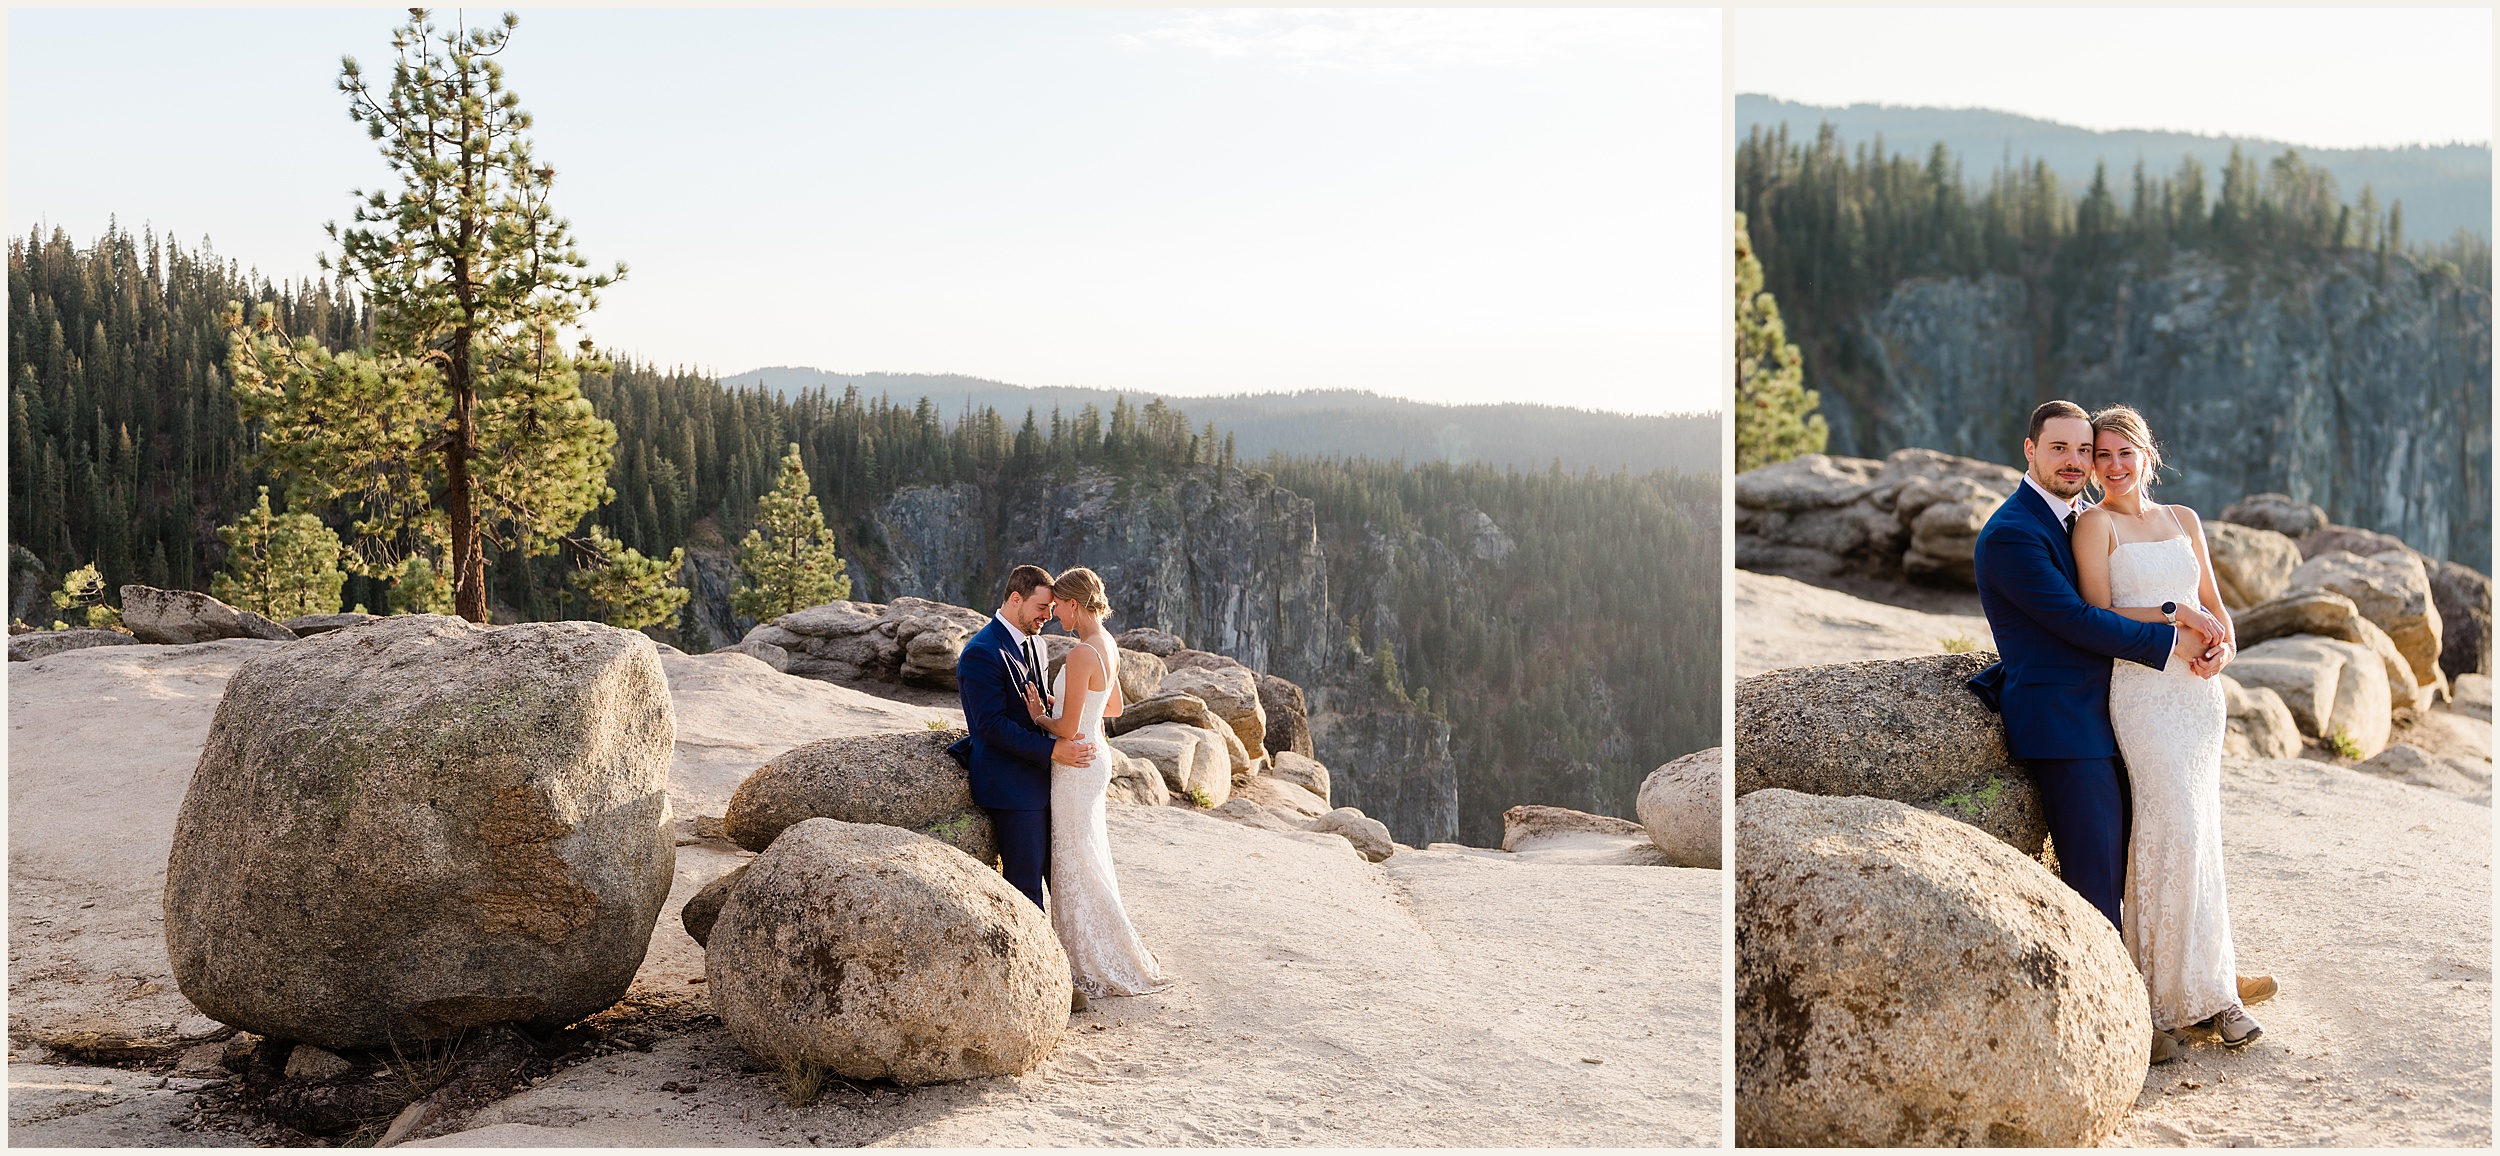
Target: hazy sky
x=1458 y=206
x=2323 y=77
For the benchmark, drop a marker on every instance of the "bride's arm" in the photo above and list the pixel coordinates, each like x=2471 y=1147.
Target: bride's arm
x=2207 y=591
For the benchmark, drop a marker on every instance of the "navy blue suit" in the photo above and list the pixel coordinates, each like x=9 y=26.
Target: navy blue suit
x=2051 y=682
x=1007 y=753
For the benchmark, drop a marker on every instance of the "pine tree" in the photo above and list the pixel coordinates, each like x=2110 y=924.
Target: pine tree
x=1775 y=418
x=279 y=566
x=417 y=588
x=626 y=589
x=787 y=562
x=83 y=588
x=466 y=422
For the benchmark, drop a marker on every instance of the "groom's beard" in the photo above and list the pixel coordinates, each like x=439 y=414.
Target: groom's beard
x=2061 y=487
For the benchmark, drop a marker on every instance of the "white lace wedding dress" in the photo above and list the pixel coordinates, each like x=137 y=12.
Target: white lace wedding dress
x=1104 y=954
x=2170 y=726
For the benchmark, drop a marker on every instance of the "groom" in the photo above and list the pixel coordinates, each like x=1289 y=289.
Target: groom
x=1007 y=753
x=2052 y=680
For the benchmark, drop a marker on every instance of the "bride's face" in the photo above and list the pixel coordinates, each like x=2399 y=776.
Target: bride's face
x=2117 y=464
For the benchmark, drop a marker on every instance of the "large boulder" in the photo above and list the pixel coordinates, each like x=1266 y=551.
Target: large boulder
x=1679 y=805
x=46 y=643
x=1190 y=759
x=1141 y=674
x=1279 y=795
x=179 y=617
x=1136 y=781
x=2329 y=685
x=2328 y=615
x=1531 y=823
x=1302 y=771
x=2280 y=513
x=1232 y=694
x=1187 y=710
x=2250 y=565
x=1370 y=836
x=881 y=954
x=2259 y=726
x=1904 y=980
x=1944 y=515
x=305 y=626
x=1160 y=643
x=1288 y=717
x=424 y=825
x=702 y=908
x=2391 y=589
x=1904 y=729
x=898 y=778
x=2329 y=539
x=2462 y=594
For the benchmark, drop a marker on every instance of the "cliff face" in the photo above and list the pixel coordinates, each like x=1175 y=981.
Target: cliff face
x=1233 y=566
x=2368 y=395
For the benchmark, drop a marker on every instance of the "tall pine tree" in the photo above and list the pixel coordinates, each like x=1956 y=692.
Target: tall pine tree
x=466 y=423
x=1775 y=418
x=787 y=562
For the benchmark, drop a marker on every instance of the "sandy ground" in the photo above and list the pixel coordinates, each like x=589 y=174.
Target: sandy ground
x=1441 y=998
x=1784 y=622
x=2369 y=901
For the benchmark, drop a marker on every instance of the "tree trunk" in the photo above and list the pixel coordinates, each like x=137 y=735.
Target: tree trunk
x=468 y=549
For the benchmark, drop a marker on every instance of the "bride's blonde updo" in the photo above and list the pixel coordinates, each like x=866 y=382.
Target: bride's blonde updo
x=2124 y=421
x=1084 y=588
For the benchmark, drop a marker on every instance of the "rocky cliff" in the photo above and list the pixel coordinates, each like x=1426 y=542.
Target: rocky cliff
x=2366 y=393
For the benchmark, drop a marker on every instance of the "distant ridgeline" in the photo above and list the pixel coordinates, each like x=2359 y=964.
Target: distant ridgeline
x=1472 y=637
x=1333 y=422
x=2277 y=336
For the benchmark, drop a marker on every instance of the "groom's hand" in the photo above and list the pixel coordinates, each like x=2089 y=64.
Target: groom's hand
x=1072 y=752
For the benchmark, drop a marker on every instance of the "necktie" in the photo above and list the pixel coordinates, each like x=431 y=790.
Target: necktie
x=2070 y=521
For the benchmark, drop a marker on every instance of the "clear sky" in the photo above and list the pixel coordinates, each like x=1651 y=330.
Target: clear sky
x=1462 y=206
x=2322 y=77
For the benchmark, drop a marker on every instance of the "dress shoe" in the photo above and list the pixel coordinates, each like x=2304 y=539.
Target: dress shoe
x=2235 y=1026
x=2256 y=988
x=2165 y=1047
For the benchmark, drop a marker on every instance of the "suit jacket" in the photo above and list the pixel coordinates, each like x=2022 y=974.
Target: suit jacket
x=2054 y=649
x=1007 y=753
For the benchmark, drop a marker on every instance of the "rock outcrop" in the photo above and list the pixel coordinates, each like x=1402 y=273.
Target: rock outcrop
x=1302 y=771
x=2251 y=565
x=1194 y=761
x=1528 y=824
x=1905 y=980
x=423 y=825
x=2462 y=596
x=46 y=643
x=1903 y=729
x=2259 y=726
x=1287 y=715
x=702 y=908
x=880 y=954
x=177 y=617
x=1915 y=514
x=1231 y=694
x=2393 y=591
x=900 y=779
x=1369 y=836
x=311 y=624
x=909 y=640
x=2330 y=686
x=1679 y=806
x=2280 y=513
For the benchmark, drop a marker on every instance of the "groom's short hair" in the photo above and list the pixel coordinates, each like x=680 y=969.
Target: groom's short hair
x=2054 y=409
x=1023 y=580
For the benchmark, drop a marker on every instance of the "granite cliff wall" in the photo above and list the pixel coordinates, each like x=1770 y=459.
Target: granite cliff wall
x=2367 y=394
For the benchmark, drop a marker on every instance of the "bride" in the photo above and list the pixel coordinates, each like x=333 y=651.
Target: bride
x=2142 y=559
x=1104 y=953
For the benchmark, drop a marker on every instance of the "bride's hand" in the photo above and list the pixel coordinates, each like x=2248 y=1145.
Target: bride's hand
x=1033 y=703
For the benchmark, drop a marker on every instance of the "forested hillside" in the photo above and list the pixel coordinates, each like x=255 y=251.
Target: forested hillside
x=1335 y=422
x=1562 y=623
x=2276 y=329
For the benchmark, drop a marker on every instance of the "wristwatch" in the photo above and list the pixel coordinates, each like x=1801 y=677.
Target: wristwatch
x=2170 y=613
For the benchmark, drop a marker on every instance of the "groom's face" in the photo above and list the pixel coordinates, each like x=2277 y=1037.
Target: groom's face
x=1029 y=612
x=2061 y=457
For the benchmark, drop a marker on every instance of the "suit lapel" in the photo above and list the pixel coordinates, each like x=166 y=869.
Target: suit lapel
x=2062 y=546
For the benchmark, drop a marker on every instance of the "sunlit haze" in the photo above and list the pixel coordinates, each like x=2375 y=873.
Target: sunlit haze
x=1457 y=206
